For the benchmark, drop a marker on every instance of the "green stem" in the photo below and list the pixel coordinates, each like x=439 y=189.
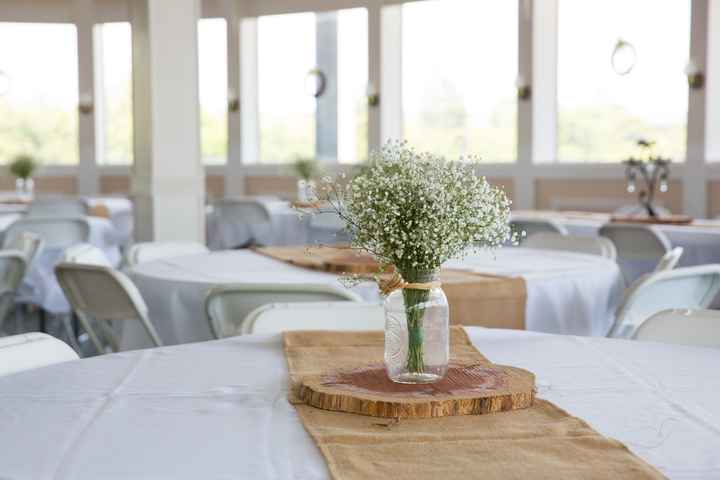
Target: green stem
x=414 y=310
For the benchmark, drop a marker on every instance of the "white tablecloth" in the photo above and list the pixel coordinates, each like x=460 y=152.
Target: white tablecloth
x=40 y=286
x=567 y=292
x=218 y=410
x=701 y=244
x=286 y=227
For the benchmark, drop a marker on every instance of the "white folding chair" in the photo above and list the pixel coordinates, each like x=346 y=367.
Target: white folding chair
x=639 y=247
x=32 y=350
x=526 y=228
x=103 y=294
x=572 y=243
x=54 y=232
x=148 y=251
x=86 y=254
x=57 y=207
x=327 y=228
x=28 y=243
x=669 y=260
x=683 y=327
x=692 y=287
x=279 y=317
x=227 y=306
x=244 y=218
x=12 y=270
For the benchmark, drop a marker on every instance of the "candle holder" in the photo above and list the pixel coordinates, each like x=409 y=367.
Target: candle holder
x=654 y=172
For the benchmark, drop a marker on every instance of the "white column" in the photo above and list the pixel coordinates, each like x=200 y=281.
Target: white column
x=234 y=178
x=168 y=179
x=391 y=107
x=694 y=181
x=87 y=179
x=249 y=105
x=374 y=69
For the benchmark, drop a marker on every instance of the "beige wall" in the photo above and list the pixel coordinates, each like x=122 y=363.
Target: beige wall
x=713 y=193
x=602 y=195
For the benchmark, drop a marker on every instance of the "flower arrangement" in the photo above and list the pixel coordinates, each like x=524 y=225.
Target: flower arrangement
x=23 y=166
x=414 y=211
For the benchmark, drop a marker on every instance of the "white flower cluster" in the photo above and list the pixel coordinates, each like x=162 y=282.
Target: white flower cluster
x=417 y=210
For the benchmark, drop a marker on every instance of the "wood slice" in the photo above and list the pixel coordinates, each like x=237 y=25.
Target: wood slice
x=465 y=390
x=666 y=220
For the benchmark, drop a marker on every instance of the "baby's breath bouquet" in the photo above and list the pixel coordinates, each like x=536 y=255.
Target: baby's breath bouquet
x=414 y=211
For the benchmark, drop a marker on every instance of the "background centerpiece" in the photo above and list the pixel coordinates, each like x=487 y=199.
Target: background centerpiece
x=413 y=211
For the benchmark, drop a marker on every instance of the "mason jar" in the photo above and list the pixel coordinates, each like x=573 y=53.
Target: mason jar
x=416 y=332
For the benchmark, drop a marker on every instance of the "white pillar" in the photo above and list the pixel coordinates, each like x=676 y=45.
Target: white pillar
x=168 y=178
x=391 y=107
x=87 y=179
x=234 y=178
x=694 y=181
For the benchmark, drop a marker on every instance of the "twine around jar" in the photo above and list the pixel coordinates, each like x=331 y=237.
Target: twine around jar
x=397 y=282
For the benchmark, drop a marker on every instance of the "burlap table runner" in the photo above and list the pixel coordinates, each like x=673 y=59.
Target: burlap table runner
x=475 y=299
x=539 y=442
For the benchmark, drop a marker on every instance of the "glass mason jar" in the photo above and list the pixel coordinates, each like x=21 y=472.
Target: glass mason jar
x=24 y=186
x=416 y=332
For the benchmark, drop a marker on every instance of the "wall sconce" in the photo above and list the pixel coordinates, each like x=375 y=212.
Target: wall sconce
x=85 y=104
x=623 y=57
x=315 y=82
x=523 y=88
x=373 y=96
x=233 y=100
x=695 y=77
x=4 y=83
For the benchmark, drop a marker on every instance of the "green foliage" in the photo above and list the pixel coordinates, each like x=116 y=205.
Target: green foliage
x=306 y=168
x=23 y=166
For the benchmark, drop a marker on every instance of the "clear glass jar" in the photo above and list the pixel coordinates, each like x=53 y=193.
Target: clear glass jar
x=416 y=332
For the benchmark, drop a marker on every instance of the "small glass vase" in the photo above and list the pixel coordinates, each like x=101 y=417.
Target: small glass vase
x=416 y=332
x=306 y=191
x=24 y=187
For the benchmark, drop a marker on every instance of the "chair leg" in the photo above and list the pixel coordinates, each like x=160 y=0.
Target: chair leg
x=42 y=320
x=91 y=333
x=70 y=332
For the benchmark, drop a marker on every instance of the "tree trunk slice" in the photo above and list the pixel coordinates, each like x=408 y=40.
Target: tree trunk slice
x=466 y=390
x=666 y=220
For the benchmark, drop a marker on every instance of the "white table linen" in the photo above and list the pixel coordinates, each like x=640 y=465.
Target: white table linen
x=40 y=286
x=219 y=410
x=567 y=292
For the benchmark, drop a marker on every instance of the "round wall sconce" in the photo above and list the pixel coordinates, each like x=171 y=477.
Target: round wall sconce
x=315 y=82
x=524 y=91
x=85 y=104
x=695 y=77
x=373 y=96
x=233 y=101
x=623 y=57
x=4 y=83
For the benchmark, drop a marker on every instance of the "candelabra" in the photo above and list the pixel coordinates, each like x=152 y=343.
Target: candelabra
x=652 y=171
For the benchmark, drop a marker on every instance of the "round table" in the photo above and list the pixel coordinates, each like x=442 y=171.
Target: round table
x=219 y=410
x=566 y=292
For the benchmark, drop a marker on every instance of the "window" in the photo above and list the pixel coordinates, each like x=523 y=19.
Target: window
x=113 y=78
x=459 y=66
x=602 y=113
x=293 y=122
x=38 y=112
x=213 y=85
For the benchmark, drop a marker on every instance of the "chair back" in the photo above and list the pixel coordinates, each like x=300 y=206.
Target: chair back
x=244 y=217
x=102 y=293
x=32 y=350
x=28 y=243
x=12 y=270
x=669 y=260
x=148 y=251
x=57 y=207
x=54 y=232
x=86 y=254
x=572 y=243
x=639 y=247
x=526 y=228
x=280 y=317
x=327 y=228
x=227 y=306
x=683 y=327
x=692 y=287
